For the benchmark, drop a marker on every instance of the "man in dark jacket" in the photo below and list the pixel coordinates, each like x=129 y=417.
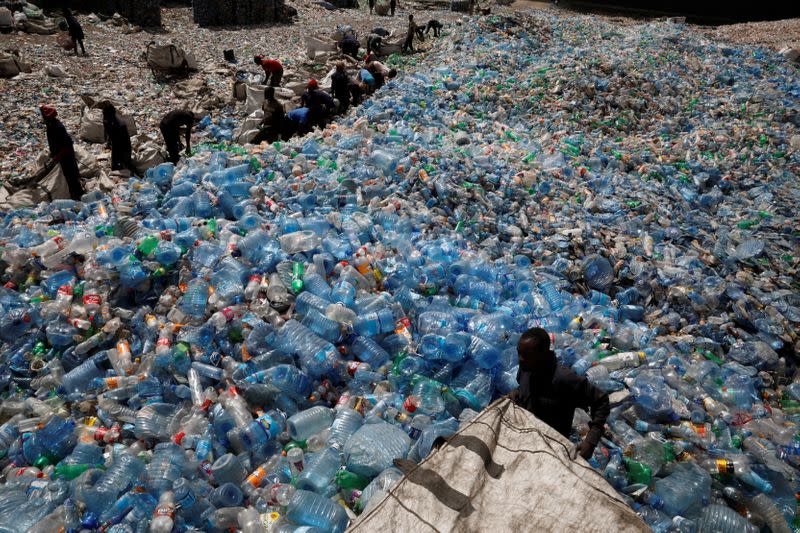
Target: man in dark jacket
x=434 y=25
x=349 y=46
x=62 y=150
x=340 y=86
x=171 y=126
x=318 y=102
x=272 y=123
x=553 y=392
x=75 y=31
x=374 y=43
x=118 y=139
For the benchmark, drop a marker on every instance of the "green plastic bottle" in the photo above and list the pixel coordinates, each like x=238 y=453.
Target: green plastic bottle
x=148 y=245
x=348 y=480
x=638 y=472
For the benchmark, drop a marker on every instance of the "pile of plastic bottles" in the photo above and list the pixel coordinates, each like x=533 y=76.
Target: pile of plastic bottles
x=249 y=340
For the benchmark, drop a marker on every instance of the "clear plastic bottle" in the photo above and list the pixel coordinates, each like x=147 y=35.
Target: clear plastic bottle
x=306 y=423
x=310 y=509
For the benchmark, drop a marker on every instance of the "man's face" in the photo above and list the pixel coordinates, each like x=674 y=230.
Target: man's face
x=527 y=361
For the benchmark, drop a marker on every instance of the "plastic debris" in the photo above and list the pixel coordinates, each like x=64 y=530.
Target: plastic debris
x=253 y=336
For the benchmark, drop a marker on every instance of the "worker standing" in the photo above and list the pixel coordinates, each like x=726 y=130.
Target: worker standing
x=75 y=31
x=62 y=150
x=171 y=126
x=553 y=392
x=273 y=70
x=118 y=139
x=392 y=6
x=408 y=45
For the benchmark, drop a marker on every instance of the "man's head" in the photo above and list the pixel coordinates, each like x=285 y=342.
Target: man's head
x=410 y=16
x=269 y=93
x=340 y=66
x=392 y=73
x=67 y=12
x=109 y=111
x=312 y=84
x=535 y=355
x=257 y=59
x=48 y=112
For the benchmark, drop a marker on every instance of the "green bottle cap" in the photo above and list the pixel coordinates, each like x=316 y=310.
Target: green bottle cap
x=148 y=245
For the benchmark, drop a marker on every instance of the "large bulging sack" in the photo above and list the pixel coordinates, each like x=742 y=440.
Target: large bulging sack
x=316 y=44
x=92 y=125
x=255 y=96
x=40 y=27
x=382 y=8
x=169 y=56
x=6 y=19
x=147 y=156
x=52 y=186
x=11 y=65
x=250 y=127
x=503 y=471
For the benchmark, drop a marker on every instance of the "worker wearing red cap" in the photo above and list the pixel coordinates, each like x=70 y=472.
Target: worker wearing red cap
x=318 y=102
x=272 y=69
x=62 y=150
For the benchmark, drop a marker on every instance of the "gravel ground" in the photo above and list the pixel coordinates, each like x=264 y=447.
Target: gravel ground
x=773 y=34
x=115 y=67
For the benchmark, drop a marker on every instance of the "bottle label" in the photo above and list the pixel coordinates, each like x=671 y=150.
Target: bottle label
x=205 y=466
x=363 y=268
x=163 y=341
x=344 y=398
x=65 y=290
x=255 y=478
x=352 y=367
x=724 y=466
x=414 y=433
x=402 y=324
x=269 y=520
x=360 y=405
x=409 y=405
x=228 y=313
x=268 y=425
x=165 y=510
x=91 y=299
